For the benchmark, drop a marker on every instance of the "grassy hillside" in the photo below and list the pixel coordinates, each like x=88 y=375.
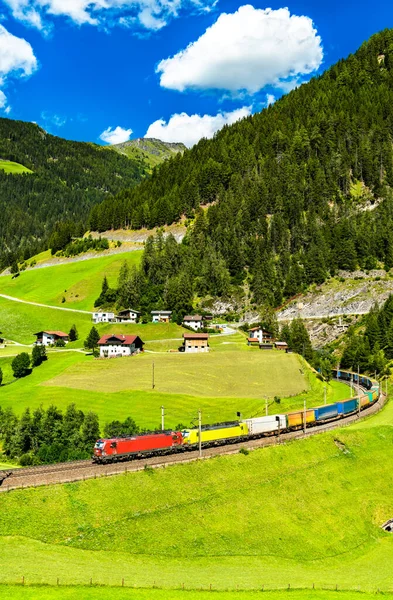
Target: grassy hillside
x=307 y=512
x=78 y=282
x=152 y=151
x=12 y=167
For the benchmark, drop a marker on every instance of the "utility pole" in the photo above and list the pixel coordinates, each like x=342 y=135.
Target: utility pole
x=359 y=401
x=153 y=381
x=200 y=432
x=162 y=418
x=266 y=407
x=305 y=418
x=324 y=394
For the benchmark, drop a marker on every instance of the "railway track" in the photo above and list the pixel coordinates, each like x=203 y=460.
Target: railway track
x=85 y=469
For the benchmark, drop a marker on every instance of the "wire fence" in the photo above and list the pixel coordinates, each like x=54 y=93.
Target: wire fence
x=206 y=587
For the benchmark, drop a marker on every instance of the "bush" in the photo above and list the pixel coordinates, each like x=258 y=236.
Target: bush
x=26 y=460
x=244 y=451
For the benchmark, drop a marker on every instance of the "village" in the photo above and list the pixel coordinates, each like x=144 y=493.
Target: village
x=196 y=340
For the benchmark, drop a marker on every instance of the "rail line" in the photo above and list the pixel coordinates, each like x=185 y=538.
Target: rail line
x=82 y=470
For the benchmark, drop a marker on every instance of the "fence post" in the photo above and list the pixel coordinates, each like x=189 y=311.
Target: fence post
x=23 y=580
x=58 y=581
x=91 y=581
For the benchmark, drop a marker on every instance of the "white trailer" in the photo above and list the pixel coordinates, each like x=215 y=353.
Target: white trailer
x=266 y=424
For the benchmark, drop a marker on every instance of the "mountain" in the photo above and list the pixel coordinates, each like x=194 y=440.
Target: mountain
x=294 y=193
x=45 y=179
x=153 y=151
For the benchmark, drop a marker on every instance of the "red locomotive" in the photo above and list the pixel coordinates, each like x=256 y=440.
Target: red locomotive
x=127 y=447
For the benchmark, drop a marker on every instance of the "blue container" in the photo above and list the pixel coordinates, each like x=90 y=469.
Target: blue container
x=347 y=406
x=326 y=412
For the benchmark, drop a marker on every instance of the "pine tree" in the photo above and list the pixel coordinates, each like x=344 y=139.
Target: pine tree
x=73 y=334
x=92 y=339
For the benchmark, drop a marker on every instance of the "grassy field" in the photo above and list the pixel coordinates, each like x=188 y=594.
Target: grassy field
x=302 y=513
x=78 y=282
x=248 y=375
x=215 y=383
x=96 y=593
x=12 y=167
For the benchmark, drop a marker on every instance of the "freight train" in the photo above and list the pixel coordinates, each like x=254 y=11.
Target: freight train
x=168 y=442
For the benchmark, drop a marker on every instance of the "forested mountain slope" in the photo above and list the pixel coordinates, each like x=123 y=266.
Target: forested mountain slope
x=297 y=191
x=68 y=179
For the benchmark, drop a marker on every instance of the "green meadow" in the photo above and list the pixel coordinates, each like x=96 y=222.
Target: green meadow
x=14 y=168
x=79 y=283
x=219 y=383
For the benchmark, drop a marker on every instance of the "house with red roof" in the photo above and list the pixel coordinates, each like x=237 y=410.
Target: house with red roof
x=118 y=345
x=49 y=338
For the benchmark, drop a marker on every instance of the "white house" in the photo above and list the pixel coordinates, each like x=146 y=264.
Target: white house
x=260 y=335
x=119 y=345
x=128 y=316
x=104 y=317
x=49 y=338
x=195 y=322
x=161 y=316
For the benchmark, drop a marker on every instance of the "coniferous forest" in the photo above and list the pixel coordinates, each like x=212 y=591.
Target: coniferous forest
x=68 y=179
x=295 y=193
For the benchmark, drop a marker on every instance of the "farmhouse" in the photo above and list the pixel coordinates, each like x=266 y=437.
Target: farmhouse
x=161 y=316
x=193 y=321
x=196 y=342
x=128 y=315
x=259 y=335
x=48 y=338
x=120 y=345
x=103 y=317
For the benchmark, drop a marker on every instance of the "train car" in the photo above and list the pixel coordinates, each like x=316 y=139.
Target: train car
x=346 y=407
x=110 y=450
x=296 y=419
x=269 y=424
x=215 y=434
x=324 y=413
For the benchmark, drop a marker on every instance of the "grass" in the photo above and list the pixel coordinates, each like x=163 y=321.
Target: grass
x=301 y=513
x=78 y=282
x=248 y=375
x=96 y=593
x=215 y=383
x=12 y=167
x=20 y=321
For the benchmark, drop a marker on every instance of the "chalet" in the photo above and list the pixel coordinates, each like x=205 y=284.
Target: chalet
x=161 y=316
x=119 y=345
x=49 y=338
x=128 y=315
x=260 y=334
x=104 y=317
x=195 y=342
x=193 y=321
x=281 y=346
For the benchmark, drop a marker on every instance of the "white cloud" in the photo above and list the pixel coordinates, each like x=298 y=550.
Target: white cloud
x=270 y=99
x=53 y=119
x=246 y=51
x=147 y=14
x=116 y=136
x=189 y=129
x=16 y=60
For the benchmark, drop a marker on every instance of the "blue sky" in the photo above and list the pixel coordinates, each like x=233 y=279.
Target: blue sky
x=107 y=70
